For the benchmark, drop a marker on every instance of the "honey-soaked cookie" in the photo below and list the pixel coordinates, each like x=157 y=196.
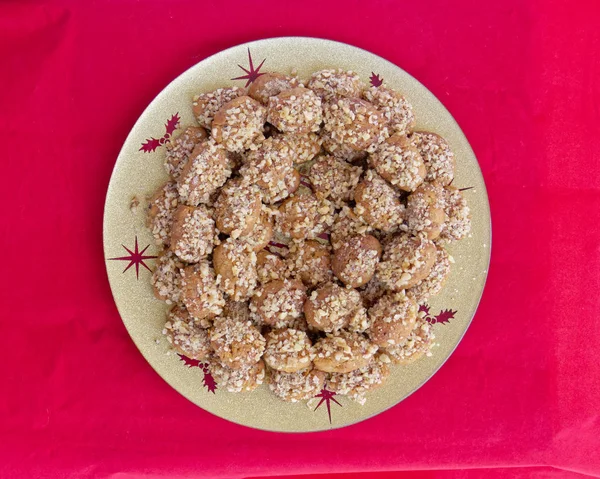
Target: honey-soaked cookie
x=418 y=344
x=166 y=278
x=177 y=151
x=187 y=336
x=433 y=283
x=206 y=105
x=278 y=303
x=345 y=224
x=342 y=352
x=288 y=350
x=372 y=291
x=437 y=155
x=355 y=261
x=425 y=210
x=399 y=162
x=161 y=207
x=334 y=179
x=236 y=269
x=355 y=384
x=406 y=261
x=270 y=267
x=331 y=307
x=296 y=111
x=296 y=386
x=237 y=344
x=204 y=173
x=238 y=310
x=246 y=379
x=199 y=291
x=239 y=124
x=333 y=84
x=270 y=84
x=271 y=168
x=378 y=204
x=395 y=108
x=458 y=215
x=393 y=318
x=305 y=147
x=193 y=233
x=355 y=123
x=261 y=234
x=310 y=261
x=304 y=216
x=341 y=151
x=237 y=208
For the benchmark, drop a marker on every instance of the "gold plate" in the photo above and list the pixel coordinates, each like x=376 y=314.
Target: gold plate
x=139 y=172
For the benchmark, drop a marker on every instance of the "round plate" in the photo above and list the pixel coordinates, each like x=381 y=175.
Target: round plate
x=130 y=251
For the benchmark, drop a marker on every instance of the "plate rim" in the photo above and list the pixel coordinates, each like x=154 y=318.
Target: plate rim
x=455 y=123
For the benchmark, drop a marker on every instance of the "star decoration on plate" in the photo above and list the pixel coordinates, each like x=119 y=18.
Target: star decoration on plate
x=326 y=397
x=443 y=317
x=375 y=80
x=136 y=257
x=251 y=73
x=152 y=144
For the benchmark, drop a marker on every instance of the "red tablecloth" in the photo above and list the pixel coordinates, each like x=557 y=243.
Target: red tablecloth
x=521 y=395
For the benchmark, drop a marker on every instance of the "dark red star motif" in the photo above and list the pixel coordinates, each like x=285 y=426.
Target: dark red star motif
x=251 y=74
x=375 y=80
x=136 y=257
x=326 y=397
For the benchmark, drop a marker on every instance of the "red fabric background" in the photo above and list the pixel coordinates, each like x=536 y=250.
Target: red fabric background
x=521 y=395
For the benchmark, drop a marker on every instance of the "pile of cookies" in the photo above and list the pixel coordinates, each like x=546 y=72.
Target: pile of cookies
x=302 y=226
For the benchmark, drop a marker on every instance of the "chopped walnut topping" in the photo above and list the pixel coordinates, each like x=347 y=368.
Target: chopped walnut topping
x=334 y=179
x=400 y=163
x=237 y=208
x=310 y=261
x=354 y=262
x=179 y=149
x=269 y=85
x=392 y=318
x=355 y=384
x=296 y=111
x=288 y=350
x=237 y=380
x=433 y=283
x=343 y=352
x=347 y=224
x=237 y=344
x=332 y=84
x=296 y=386
x=419 y=343
x=186 y=335
x=208 y=104
x=161 y=207
x=331 y=307
x=406 y=261
x=199 y=291
x=458 y=223
x=354 y=123
x=437 y=155
x=377 y=204
x=166 y=278
x=394 y=107
x=193 y=233
x=238 y=125
x=204 y=173
x=304 y=216
x=278 y=303
x=425 y=210
x=236 y=269
x=270 y=267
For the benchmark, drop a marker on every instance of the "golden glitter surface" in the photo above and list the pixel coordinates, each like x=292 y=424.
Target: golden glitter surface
x=137 y=174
